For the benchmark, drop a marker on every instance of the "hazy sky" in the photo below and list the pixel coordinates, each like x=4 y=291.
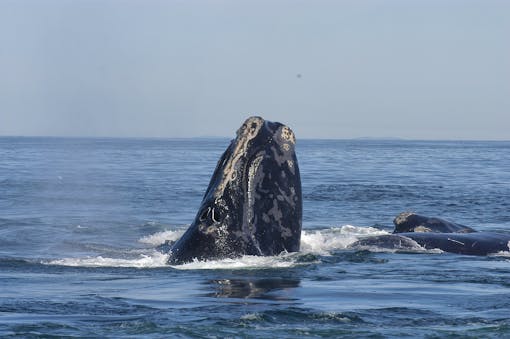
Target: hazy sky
x=329 y=69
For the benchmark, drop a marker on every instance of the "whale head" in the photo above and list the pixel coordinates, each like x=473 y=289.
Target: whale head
x=253 y=204
x=407 y=222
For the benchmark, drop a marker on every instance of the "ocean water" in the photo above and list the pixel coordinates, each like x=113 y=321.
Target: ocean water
x=80 y=221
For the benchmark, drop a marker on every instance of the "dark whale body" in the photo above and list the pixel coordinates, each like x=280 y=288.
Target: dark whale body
x=435 y=233
x=253 y=205
x=411 y=222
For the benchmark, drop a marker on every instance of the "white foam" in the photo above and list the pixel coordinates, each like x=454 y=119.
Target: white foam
x=335 y=238
x=504 y=254
x=251 y=317
x=321 y=242
x=152 y=260
x=244 y=262
x=160 y=238
x=312 y=241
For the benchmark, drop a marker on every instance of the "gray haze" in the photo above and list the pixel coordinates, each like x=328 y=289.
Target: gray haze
x=330 y=69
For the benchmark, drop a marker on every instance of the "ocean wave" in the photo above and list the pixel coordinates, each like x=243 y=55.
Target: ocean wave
x=160 y=238
x=245 y=262
x=325 y=241
x=147 y=260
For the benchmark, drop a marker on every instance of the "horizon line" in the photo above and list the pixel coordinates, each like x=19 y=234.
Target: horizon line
x=229 y=137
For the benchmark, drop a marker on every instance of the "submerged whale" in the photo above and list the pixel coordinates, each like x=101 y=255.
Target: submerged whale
x=411 y=222
x=253 y=205
x=433 y=233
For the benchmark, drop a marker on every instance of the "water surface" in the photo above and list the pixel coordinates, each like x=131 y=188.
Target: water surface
x=80 y=220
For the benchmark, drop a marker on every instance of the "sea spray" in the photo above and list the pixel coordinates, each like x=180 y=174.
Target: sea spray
x=320 y=241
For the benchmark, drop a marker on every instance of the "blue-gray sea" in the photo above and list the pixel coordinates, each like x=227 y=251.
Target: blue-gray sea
x=81 y=220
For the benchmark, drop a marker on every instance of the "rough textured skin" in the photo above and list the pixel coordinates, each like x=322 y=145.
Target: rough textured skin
x=411 y=222
x=253 y=205
x=476 y=243
x=434 y=233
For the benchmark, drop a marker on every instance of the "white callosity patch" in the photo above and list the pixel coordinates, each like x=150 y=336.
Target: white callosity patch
x=247 y=132
x=287 y=140
x=422 y=229
x=402 y=217
x=288 y=135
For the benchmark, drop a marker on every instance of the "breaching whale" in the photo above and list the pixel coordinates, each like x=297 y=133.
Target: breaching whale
x=435 y=233
x=253 y=204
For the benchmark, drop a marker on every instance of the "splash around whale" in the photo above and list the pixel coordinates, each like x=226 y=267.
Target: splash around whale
x=253 y=206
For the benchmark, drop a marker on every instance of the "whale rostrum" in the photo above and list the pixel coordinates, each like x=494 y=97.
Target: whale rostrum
x=253 y=204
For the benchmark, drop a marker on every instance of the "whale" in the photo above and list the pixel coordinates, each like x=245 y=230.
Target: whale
x=412 y=230
x=412 y=222
x=253 y=204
